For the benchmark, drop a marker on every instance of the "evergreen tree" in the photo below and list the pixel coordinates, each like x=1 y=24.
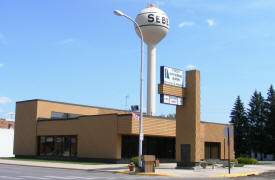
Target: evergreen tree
x=257 y=124
x=239 y=120
x=270 y=111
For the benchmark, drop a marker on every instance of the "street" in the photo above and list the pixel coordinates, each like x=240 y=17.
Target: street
x=14 y=172
x=267 y=175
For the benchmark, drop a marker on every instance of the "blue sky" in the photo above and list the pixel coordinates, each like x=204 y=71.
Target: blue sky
x=79 y=52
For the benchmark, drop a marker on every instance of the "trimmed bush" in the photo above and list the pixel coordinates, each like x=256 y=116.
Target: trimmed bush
x=135 y=160
x=234 y=161
x=247 y=160
x=239 y=165
x=209 y=162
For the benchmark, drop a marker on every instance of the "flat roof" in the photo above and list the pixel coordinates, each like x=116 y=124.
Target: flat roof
x=214 y=123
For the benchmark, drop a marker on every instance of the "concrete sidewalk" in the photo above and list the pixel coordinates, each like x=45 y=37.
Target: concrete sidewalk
x=165 y=169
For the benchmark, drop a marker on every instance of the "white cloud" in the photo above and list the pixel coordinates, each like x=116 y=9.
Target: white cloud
x=186 y=23
x=5 y=100
x=1 y=65
x=210 y=22
x=189 y=66
x=68 y=41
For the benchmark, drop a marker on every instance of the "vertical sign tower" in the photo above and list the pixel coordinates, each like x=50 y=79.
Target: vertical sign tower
x=154 y=25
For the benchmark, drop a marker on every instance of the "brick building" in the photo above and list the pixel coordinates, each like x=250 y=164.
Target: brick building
x=52 y=129
x=4 y=124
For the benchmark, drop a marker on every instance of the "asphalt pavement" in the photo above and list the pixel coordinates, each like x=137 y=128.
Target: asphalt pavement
x=14 y=172
x=17 y=172
x=20 y=169
x=270 y=175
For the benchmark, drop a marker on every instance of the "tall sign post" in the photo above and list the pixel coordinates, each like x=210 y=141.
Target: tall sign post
x=228 y=133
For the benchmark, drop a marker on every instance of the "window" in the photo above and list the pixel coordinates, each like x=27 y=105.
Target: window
x=49 y=146
x=162 y=147
x=64 y=146
x=212 y=150
x=67 y=146
x=73 y=146
x=59 y=115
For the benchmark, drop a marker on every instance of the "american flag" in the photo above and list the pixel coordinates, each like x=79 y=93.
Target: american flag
x=136 y=117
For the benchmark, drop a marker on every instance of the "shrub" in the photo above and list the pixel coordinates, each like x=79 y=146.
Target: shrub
x=135 y=160
x=209 y=162
x=239 y=165
x=234 y=161
x=247 y=160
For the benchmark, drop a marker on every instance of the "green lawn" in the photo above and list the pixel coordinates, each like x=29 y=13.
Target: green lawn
x=56 y=161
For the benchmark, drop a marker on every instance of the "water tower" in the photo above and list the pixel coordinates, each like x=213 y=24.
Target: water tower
x=154 y=25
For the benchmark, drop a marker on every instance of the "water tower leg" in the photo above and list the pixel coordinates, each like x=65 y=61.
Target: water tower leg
x=151 y=80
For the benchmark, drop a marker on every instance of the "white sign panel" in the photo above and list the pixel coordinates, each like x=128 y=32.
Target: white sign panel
x=180 y=101
x=166 y=99
x=171 y=76
x=173 y=100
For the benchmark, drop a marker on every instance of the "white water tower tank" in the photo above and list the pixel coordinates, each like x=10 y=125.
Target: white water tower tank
x=154 y=25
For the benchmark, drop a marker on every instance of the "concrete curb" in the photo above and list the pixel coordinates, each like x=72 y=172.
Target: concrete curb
x=147 y=174
x=236 y=175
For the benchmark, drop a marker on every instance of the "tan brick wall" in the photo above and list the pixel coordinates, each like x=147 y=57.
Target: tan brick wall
x=171 y=90
x=188 y=118
x=125 y=124
x=45 y=108
x=211 y=132
x=97 y=135
x=152 y=126
x=25 y=128
x=27 y=113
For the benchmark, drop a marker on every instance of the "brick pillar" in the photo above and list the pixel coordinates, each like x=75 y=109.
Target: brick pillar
x=188 y=122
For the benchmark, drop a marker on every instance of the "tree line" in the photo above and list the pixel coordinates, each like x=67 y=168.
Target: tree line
x=254 y=127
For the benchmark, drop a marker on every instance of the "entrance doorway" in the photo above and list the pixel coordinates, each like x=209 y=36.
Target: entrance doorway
x=162 y=147
x=212 y=150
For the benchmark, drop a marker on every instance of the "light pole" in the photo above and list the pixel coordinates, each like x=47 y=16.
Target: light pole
x=141 y=136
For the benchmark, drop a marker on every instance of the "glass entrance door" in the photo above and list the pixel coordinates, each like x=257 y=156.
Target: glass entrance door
x=212 y=150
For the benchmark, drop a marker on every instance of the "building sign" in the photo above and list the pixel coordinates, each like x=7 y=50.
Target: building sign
x=171 y=76
x=173 y=100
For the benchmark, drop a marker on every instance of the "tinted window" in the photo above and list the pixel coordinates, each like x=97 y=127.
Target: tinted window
x=212 y=150
x=162 y=147
x=65 y=146
x=59 y=115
